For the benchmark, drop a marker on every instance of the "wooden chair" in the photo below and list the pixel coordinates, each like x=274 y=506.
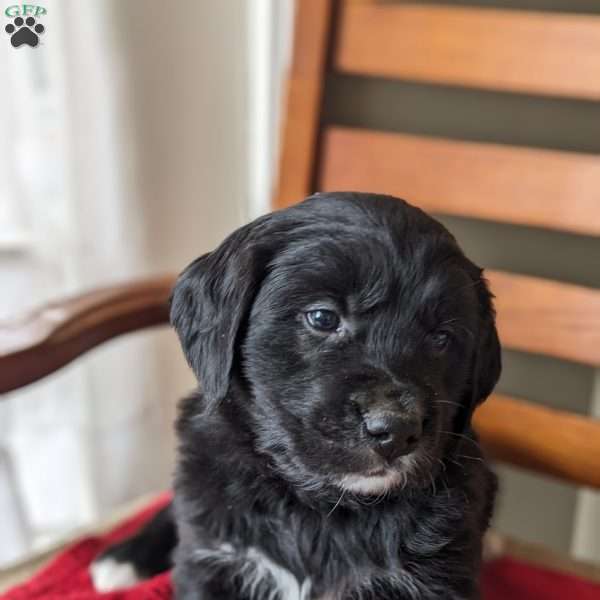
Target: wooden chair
x=533 y=53
x=551 y=56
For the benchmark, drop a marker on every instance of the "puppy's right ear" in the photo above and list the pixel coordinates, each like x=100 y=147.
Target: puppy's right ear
x=208 y=305
x=486 y=364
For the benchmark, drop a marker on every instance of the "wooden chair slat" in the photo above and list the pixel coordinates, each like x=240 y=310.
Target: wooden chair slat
x=45 y=340
x=547 y=317
x=546 y=440
x=304 y=97
x=543 y=188
x=515 y=50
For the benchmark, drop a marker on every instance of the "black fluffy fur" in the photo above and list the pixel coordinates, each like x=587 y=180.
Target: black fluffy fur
x=275 y=426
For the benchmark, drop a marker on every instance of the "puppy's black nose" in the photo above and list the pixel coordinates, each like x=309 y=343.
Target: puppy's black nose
x=393 y=435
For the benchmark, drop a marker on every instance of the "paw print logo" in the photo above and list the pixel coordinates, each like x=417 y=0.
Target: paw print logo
x=24 y=32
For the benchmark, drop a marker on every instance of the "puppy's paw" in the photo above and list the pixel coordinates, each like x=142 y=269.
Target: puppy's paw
x=109 y=574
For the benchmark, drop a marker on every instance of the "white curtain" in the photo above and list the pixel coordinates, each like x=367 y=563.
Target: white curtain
x=132 y=137
x=67 y=223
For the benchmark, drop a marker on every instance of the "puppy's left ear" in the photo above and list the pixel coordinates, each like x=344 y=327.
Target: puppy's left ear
x=209 y=303
x=486 y=364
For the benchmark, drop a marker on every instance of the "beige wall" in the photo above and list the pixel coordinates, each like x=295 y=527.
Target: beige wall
x=187 y=65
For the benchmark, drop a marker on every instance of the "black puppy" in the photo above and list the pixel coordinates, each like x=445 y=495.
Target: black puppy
x=341 y=347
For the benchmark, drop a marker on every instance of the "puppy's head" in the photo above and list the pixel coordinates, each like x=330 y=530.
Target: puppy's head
x=362 y=336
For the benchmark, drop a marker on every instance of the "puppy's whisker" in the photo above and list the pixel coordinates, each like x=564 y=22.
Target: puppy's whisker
x=447 y=402
x=458 y=464
x=372 y=502
x=471 y=457
x=405 y=483
x=471 y=284
x=433 y=484
x=383 y=496
x=462 y=436
x=448 y=321
x=336 y=504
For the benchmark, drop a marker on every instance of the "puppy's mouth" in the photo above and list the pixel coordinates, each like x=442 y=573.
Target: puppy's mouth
x=377 y=472
x=378 y=480
x=373 y=483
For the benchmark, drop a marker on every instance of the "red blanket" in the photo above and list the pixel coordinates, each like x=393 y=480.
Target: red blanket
x=66 y=577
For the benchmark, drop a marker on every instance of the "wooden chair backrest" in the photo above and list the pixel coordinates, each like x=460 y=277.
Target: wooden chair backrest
x=546 y=54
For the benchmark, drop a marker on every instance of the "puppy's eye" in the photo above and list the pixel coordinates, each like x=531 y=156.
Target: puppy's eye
x=323 y=320
x=440 y=340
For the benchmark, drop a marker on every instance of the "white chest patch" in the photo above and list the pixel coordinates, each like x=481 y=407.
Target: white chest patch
x=286 y=586
x=262 y=578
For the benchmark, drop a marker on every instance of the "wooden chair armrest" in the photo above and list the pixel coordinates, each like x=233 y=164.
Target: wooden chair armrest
x=41 y=342
x=542 y=439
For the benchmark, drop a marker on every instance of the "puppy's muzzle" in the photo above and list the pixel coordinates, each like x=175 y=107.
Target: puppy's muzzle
x=393 y=434
x=392 y=419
